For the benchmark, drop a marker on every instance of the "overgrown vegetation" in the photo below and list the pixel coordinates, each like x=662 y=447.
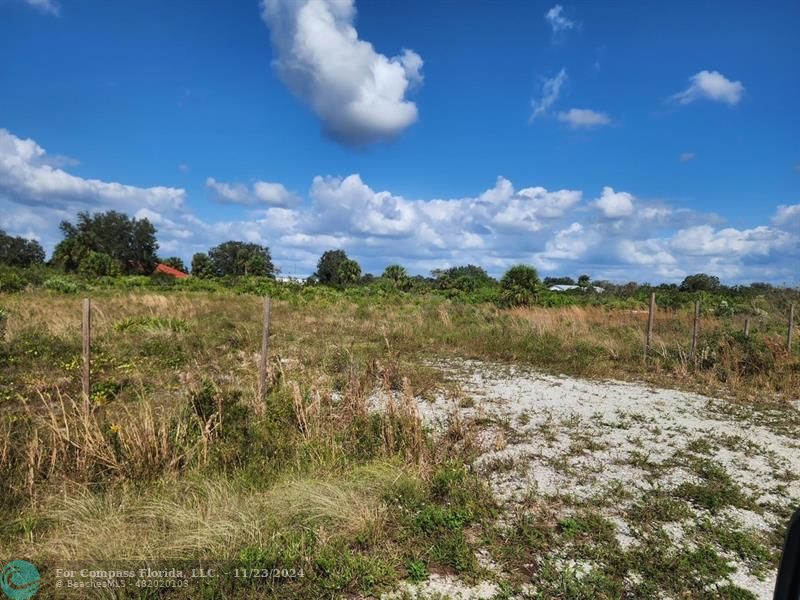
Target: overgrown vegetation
x=332 y=473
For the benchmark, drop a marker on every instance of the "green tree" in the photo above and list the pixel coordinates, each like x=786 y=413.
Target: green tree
x=700 y=282
x=129 y=241
x=398 y=275
x=467 y=278
x=584 y=281
x=175 y=262
x=348 y=273
x=98 y=264
x=201 y=266
x=241 y=258
x=328 y=265
x=69 y=253
x=19 y=252
x=520 y=284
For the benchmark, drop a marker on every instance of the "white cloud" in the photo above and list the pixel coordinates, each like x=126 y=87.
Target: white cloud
x=612 y=237
x=503 y=190
x=27 y=178
x=569 y=243
x=687 y=156
x=235 y=193
x=788 y=216
x=615 y=205
x=60 y=161
x=558 y=22
x=50 y=7
x=583 y=117
x=644 y=252
x=704 y=240
x=261 y=193
x=349 y=205
x=551 y=89
x=358 y=93
x=711 y=85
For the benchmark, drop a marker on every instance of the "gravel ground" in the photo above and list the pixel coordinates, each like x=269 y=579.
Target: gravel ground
x=571 y=441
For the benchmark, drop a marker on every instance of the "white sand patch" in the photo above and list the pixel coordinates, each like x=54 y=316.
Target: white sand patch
x=555 y=437
x=626 y=419
x=558 y=436
x=444 y=586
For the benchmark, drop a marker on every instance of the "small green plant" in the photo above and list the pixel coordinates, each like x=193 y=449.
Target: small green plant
x=61 y=285
x=417 y=570
x=11 y=282
x=715 y=490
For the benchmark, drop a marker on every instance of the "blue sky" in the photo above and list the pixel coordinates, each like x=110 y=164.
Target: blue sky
x=629 y=140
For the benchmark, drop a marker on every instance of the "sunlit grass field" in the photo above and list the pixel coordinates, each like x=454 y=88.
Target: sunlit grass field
x=176 y=458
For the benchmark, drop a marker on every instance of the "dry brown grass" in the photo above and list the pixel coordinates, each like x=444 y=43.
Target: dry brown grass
x=211 y=517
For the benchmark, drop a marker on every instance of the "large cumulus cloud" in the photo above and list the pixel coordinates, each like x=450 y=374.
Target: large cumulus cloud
x=358 y=93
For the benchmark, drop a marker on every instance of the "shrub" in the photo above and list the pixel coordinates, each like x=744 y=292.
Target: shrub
x=98 y=264
x=61 y=285
x=398 y=275
x=11 y=282
x=519 y=285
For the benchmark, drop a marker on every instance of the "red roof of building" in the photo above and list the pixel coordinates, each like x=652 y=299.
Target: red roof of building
x=162 y=268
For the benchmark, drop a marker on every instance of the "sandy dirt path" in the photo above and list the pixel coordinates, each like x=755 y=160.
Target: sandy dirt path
x=620 y=449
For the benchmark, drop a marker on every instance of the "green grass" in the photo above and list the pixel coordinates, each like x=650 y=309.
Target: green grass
x=176 y=458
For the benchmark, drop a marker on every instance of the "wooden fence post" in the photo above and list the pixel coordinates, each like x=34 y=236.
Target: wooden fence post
x=791 y=327
x=262 y=364
x=747 y=327
x=695 y=327
x=87 y=343
x=650 y=317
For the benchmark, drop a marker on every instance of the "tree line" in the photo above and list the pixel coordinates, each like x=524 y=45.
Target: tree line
x=112 y=243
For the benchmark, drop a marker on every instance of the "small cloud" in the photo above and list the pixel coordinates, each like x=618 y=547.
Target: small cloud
x=710 y=85
x=787 y=215
x=551 y=88
x=615 y=205
x=60 y=161
x=183 y=168
x=599 y=55
x=558 y=22
x=687 y=156
x=49 y=7
x=261 y=192
x=583 y=117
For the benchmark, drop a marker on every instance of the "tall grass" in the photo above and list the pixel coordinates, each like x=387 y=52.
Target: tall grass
x=176 y=456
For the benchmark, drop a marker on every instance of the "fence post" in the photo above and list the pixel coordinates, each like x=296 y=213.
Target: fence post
x=791 y=327
x=87 y=343
x=695 y=327
x=262 y=364
x=650 y=318
x=747 y=327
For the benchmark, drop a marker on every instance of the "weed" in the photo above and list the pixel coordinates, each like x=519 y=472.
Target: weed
x=715 y=490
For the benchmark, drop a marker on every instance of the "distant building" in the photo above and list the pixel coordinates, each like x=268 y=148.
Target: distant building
x=162 y=268
x=562 y=288
x=290 y=279
x=566 y=288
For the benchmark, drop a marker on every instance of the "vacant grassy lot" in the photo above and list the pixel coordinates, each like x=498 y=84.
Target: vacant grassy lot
x=335 y=473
